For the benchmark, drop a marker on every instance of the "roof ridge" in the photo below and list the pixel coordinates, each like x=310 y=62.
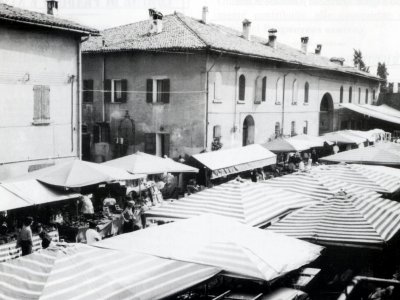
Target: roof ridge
x=189 y=28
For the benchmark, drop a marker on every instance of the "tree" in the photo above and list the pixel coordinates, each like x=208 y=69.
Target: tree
x=382 y=73
x=359 y=62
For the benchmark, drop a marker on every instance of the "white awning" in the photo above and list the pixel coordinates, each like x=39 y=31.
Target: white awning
x=382 y=112
x=236 y=160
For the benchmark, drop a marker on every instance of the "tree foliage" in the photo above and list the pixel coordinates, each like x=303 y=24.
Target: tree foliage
x=359 y=62
x=382 y=71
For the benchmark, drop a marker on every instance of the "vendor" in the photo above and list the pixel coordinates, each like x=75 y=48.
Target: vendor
x=87 y=207
x=109 y=204
x=128 y=217
x=25 y=241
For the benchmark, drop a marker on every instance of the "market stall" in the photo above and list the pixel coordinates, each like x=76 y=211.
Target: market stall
x=280 y=145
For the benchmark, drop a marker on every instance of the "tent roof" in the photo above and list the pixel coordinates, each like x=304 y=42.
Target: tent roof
x=254 y=204
x=142 y=163
x=220 y=242
x=79 y=271
x=381 y=112
x=344 y=137
x=379 y=154
x=286 y=145
x=312 y=141
x=231 y=161
x=342 y=219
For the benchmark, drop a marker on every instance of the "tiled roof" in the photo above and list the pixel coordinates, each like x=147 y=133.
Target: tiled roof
x=181 y=32
x=14 y=14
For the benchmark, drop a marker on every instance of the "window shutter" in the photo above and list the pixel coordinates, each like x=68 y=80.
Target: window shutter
x=45 y=102
x=165 y=91
x=264 y=89
x=150 y=143
x=37 y=96
x=87 y=93
x=124 y=88
x=166 y=144
x=149 y=91
x=107 y=90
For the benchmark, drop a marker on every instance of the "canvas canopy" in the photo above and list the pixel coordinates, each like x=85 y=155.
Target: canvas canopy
x=381 y=112
x=386 y=153
x=286 y=145
x=223 y=243
x=344 y=137
x=254 y=204
x=344 y=220
x=78 y=271
x=142 y=163
x=236 y=160
x=312 y=141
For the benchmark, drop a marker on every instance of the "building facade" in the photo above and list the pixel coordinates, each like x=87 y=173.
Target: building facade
x=173 y=85
x=39 y=84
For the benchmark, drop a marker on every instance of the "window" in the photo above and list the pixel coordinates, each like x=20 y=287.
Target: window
x=350 y=93
x=341 y=94
x=294 y=92
x=366 y=96
x=277 y=129
x=306 y=92
x=41 y=104
x=359 y=95
x=157 y=143
x=101 y=133
x=87 y=92
x=279 y=91
x=215 y=88
x=293 y=128
x=115 y=90
x=305 y=127
x=217 y=131
x=261 y=87
x=242 y=88
x=157 y=90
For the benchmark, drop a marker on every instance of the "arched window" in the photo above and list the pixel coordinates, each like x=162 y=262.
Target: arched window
x=242 y=87
x=264 y=89
x=293 y=128
x=305 y=127
x=277 y=129
x=279 y=91
x=350 y=93
x=341 y=94
x=366 y=96
x=306 y=92
x=294 y=92
x=359 y=95
x=217 y=131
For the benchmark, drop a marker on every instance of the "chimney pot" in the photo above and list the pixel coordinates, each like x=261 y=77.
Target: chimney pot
x=246 y=29
x=318 y=49
x=304 y=43
x=272 y=37
x=205 y=14
x=52 y=7
x=156 y=24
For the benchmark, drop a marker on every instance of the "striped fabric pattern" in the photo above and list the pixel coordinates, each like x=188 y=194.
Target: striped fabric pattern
x=250 y=203
x=84 y=272
x=318 y=186
x=344 y=219
x=221 y=242
x=377 y=178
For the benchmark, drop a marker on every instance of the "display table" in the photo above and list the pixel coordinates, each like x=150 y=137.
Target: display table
x=10 y=251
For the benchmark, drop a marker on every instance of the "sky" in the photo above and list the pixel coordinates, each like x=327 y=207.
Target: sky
x=339 y=25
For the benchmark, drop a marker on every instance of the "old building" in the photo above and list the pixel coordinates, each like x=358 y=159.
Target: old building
x=39 y=84
x=172 y=84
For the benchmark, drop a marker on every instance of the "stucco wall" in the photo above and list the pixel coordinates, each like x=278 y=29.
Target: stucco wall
x=29 y=58
x=183 y=117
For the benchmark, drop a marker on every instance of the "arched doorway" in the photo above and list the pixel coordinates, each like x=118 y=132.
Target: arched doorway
x=326 y=114
x=248 y=131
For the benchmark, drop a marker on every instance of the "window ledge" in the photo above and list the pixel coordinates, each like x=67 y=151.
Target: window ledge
x=257 y=101
x=294 y=103
x=241 y=102
x=277 y=103
x=158 y=103
x=41 y=122
x=305 y=103
x=217 y=101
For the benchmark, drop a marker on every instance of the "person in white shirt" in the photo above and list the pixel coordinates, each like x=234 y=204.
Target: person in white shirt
x=87 y=207
x=92 y=236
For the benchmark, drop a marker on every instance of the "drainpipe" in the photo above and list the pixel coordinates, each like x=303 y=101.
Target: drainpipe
x=283 y=102
x=237 y=68
x=104 y=80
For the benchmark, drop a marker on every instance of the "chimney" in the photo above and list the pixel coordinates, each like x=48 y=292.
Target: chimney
x=246 y=29
x=205 y=14
x=272 y=37
x=318 y=49
x=156 y=24
x=337 y=60
x=52 y=7
x=304 y=44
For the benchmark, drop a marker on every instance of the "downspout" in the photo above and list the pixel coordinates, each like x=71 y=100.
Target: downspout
x=71 y=80
x=103 y=106
x=283 y=102
x=236 y=98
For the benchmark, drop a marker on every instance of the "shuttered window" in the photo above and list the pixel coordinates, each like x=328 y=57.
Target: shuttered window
x=157 y=90
x=87 y=93
x=41 y=104
x=150 y=143
x=242 y=87
x=119 y=90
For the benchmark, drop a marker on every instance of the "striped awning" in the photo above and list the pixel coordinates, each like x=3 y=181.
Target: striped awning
x=220 y=242
x=83 y=272
x=317 y=186
x=386 y=153
x=248 y=202
x=376 y=178
x=344 y=220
